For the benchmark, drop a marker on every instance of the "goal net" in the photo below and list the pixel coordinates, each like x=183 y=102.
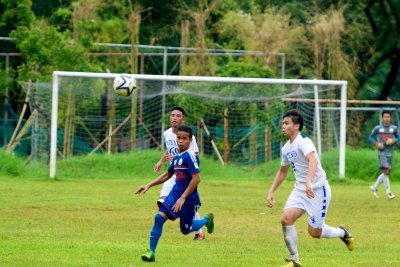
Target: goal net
x=235 y=120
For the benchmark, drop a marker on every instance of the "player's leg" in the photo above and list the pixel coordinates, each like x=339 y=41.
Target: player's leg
x=382 y=165
x=289 y=217
x=159 y=219
x=199 y=234
x=166 y=189
x=317 y=209
x=374 y=187
x=293 y=210
x=386 y=182
x=188 y=224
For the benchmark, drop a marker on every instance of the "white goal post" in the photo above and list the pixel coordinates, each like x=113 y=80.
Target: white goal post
x=167 y=78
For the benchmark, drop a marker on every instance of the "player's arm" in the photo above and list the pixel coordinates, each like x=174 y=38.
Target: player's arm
x=312 y=169
x=280 y=176
x=396 y=138
x=159 y=180
x=159 y=164
x=191 y=187
x=372 y=139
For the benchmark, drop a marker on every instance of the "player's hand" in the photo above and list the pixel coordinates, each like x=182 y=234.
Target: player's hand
x=178 y=204
x=157 y=167
x=309 y=191
x=169 y=157
x=270 y=200
x=379 y=145
x=142 y=189
x=390 y=141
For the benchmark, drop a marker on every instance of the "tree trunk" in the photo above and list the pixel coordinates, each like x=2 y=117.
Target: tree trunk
x=391 y=77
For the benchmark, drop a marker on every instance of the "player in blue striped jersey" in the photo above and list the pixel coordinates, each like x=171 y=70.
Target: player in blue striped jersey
x=384 y=136
x=183 y=200
x=311 y=193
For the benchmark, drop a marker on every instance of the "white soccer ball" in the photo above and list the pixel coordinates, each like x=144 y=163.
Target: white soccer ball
x=124 y=84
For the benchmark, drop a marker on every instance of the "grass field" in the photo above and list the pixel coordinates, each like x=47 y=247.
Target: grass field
x=99 y=222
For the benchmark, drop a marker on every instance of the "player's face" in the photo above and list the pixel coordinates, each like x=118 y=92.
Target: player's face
x=288 y=127
x=386 y=119
x=176 y=118
x=183 y=140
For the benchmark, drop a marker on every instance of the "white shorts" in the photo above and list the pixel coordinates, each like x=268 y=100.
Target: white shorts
x=167 y=186
x=316 y=207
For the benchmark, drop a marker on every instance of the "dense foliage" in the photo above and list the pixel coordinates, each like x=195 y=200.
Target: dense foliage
x=357 y=41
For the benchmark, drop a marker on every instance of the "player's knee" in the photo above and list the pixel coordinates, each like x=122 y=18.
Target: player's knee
x=185 y=231
x=316 y=233
x=158 y=218
x=286 y=221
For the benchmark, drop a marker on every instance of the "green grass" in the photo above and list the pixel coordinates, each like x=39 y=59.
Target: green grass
x=89 y=216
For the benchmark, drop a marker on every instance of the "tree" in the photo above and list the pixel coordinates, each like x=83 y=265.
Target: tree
x=44 y=50
x=384 y=19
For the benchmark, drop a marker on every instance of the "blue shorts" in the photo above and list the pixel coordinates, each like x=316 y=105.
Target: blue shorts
x=186 y=214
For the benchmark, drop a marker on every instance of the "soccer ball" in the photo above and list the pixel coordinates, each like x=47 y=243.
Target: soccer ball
x=124 y=84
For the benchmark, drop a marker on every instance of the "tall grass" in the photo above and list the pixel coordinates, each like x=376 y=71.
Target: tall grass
x=361 y=165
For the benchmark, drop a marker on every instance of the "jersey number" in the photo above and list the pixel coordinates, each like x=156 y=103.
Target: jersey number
x=293 y=166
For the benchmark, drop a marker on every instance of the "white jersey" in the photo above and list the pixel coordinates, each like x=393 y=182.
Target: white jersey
x=295 y=154
x=172 y=146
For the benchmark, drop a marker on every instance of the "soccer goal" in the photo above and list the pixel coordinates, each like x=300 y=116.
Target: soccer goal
x=235 y=120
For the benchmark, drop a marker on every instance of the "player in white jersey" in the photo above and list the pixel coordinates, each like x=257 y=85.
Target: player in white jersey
x=176 y=119
x=311 y=193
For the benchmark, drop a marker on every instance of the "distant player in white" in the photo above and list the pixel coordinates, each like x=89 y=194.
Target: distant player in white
x=176 y=119
x=311 y=193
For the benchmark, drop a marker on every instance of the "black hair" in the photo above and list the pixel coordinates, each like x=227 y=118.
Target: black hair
x=296 y=116
x=178 y=108
x=187 y=129
x=386 y=112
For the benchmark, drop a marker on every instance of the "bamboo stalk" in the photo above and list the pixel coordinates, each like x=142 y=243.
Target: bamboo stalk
x=113 y=132
x=212 y=142
x=226 y=142
x=21 y=115
x=23 y=131
x=88 y=131
x=244 y=137
x=109 y=139
x=151 y=136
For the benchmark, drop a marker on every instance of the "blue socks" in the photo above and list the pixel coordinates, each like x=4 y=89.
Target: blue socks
x=197 y=224
x=156 y=231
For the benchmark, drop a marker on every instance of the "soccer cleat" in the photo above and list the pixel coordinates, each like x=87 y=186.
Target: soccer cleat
x=210 y=224
x=390 y=196
x=348 y=238
x=199 y=236
x=292 y=263
x=374 y=191
x=149 y=256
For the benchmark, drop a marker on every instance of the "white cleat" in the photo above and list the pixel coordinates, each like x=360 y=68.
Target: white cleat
x=375 y=191
x=391 y=196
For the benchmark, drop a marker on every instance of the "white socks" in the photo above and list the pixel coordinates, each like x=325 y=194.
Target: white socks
x=386 y=182
x=290 y=236
x=382 y=179
x=331 y=232
x=378 y=181
x=197 y=217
